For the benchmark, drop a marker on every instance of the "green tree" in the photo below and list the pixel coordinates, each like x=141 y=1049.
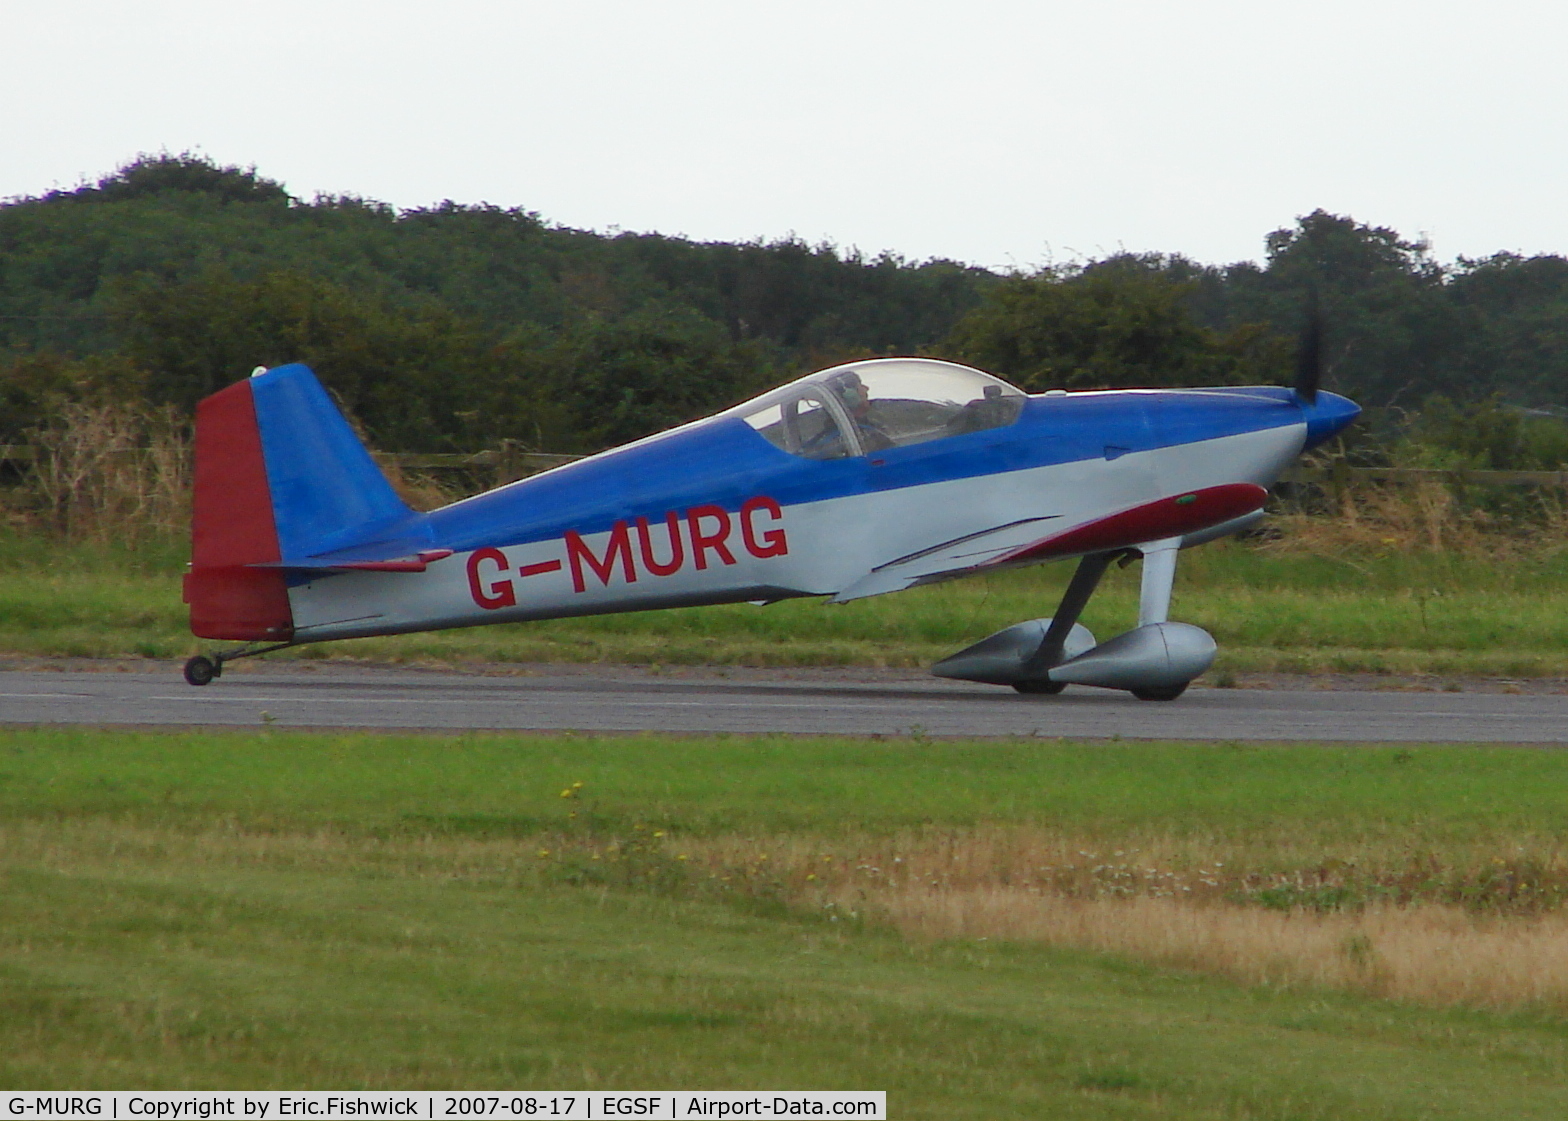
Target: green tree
x=1515 y=313
x=618 y=380
x=1390 y=328
x=175 y=217
x=409 y=375
x=36 y=386
x=1121 y=322
x=1484 y=435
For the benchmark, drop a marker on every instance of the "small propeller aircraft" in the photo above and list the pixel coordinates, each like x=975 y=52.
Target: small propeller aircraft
x=855 y=481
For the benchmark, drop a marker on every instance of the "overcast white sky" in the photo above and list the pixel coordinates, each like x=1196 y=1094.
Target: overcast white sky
x=993 y=131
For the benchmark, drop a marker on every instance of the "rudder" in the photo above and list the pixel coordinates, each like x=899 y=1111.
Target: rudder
x=232 y=527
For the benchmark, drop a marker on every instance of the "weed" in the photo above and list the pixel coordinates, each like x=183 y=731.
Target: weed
x=1358 y=948
x=109 y=472
x=1110 y=1079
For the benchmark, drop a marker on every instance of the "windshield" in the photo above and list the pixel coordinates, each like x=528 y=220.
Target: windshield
x=804 y=424
x=864 y=407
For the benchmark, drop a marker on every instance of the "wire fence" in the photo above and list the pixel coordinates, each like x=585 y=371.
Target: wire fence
x=503 y=464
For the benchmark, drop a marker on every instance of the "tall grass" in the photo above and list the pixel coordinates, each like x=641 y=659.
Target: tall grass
x=108 y=473
x=122 y=473
x=1437 y=929
x=1432 y=955
x=1428 y=517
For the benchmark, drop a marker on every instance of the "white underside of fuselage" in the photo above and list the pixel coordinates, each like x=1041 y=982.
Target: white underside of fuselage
x=830 y=544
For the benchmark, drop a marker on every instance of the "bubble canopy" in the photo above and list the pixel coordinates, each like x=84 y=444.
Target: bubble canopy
x=861 y=408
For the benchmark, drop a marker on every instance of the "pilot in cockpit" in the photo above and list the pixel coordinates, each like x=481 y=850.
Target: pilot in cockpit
x=857 y=402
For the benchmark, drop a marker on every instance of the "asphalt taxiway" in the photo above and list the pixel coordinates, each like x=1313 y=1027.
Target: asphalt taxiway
x=625 y=699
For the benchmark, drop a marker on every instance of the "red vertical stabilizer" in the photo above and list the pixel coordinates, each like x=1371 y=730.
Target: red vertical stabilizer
x=232 y=526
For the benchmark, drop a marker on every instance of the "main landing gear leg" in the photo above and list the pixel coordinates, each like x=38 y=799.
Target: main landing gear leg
x=1085 y=580
x=1154 y=604
x=202 y=670
x=1154 y=661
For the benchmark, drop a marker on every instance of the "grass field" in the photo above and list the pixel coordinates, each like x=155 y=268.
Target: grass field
x=336 y=910
x=1395 y=611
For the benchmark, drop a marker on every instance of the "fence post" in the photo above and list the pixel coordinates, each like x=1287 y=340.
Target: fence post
x=506 y=462
x=1339 y=484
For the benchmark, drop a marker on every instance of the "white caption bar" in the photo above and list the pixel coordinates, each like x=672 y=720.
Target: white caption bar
x=565 y=1105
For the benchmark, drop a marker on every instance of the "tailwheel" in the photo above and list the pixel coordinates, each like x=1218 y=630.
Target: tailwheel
x=1161 y=692
x=201 y=670
x=1048 y=688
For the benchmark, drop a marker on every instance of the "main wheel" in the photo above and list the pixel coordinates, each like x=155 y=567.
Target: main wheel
x=1161 y=693
x=200 y=670
x=1049 y=688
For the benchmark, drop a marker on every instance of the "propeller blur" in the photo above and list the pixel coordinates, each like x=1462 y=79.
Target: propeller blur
x=856 y=481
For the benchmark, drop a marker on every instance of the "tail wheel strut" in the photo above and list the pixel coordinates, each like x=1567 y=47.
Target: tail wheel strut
x=202 y=670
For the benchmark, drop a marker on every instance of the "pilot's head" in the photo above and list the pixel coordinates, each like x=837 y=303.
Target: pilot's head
x=853 y=391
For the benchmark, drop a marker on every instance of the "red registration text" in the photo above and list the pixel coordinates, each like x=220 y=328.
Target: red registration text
x=700 y=537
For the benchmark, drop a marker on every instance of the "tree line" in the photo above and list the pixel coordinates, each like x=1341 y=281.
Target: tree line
x=453 y=327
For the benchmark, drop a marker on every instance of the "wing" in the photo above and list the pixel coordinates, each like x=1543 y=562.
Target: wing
x=964 y=554
x=1031 y=540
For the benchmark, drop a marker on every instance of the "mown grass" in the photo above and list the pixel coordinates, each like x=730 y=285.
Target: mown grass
x=312 y=910
x=1294 y=801
x=345 y=976
x=1392 y=612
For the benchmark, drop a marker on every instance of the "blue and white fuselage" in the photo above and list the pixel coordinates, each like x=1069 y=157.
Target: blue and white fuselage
x=856 y=481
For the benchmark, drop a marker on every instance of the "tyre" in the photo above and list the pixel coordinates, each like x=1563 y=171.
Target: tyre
x=1048 y=688
x=1161 y=693
x=200 y=670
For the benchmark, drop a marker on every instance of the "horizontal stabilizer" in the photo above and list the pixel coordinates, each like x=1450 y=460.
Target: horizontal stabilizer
x=416 y=562
x=410 y=563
